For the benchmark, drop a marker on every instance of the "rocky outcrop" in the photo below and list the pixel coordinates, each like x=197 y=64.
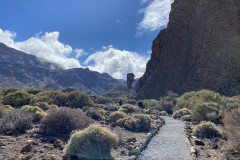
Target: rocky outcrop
x=199 y=49
x=130 y=80
x=18 y=69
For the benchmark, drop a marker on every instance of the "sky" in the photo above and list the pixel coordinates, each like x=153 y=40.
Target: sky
x=111 y=36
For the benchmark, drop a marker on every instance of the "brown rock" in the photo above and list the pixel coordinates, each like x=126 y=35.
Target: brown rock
x=130 y=80
x=26 y=148
x=199 y=49
x=57 y=143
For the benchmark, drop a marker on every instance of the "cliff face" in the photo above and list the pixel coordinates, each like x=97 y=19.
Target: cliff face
x=199 y=49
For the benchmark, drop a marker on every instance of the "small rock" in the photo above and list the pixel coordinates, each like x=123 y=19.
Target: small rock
x=57 y=143
x=149 y=134
x=29 y=141
x=26 y=148
x=199 y=142
x=206 y=155
x=133 y=139
x=3 y=147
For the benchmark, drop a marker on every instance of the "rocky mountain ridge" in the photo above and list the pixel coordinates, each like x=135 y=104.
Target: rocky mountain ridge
x=199 y=49
x=22 y=70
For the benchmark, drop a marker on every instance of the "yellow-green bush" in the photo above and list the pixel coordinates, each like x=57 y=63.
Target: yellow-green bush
x=37 y=112
x=190 y=99
x=94 y=114
x=186 y=118
x=163 y=113
x=110 y=107
x=51 y=97
x=206 y=130
x=4 y=109
x=206 y=112
x=93 y=142
x=33 y=91
x=152 y=104
x=138 y=123
x=181 y=112
x=229 y=103
x=45 y=106
x=128 y=108
x=79 y=100
x=113 y=117
x=6 y=91
x=17 y=98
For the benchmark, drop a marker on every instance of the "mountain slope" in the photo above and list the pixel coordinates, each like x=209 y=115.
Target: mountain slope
x=199 y=49
x=18 y=69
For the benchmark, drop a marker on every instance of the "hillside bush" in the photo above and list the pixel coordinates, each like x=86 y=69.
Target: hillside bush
x=15 y=121
x=190 y=99
x=111 y=108
x=63 y=120
x=152 y=104
x=4 y=109
x=103 y=100
x=229 y=103
x=114 y=116
x=45 y=106
x=51 y=97
x=6 y=91
x=231 y=123
x=181 y=112
x=79 y=100
x=93 y=142
x=33 y=91
x=206 y=130
x=17 y=98
x=138 y=123
x=94 y=114
x=206 y=112
x=37 y=112
x=128 y=108
x=186 y=118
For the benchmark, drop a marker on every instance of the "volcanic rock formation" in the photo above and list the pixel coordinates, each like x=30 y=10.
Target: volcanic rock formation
x=199 y=49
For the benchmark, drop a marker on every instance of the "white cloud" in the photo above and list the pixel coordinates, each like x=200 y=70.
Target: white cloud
x=46 y=46
x=79 y=53
x=156 y=16
x=117 y=62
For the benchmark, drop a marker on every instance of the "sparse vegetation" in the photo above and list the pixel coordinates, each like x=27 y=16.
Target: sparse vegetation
x=79 y=100
x=94 y=142
x=104 y=100
x=15 y=121
x=4 y=109
x=137 y=123
x=206 y=130
x=63 y=120
x=37 y=112
x=94 y=114
x=127 y=108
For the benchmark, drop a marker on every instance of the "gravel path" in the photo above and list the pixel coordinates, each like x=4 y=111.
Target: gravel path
x=168 y=144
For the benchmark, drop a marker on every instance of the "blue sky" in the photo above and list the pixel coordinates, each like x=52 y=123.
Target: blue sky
x=112 y=36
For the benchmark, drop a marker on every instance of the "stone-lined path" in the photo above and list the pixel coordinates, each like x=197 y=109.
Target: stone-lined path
x=168 y=144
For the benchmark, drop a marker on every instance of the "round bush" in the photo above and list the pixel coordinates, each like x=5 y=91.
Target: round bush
x=33 y=91
x=103 y=100
x=113 y=117
x=127 y=108
x=181 y=112
x=4 y=109
x=94 y=142
x=6 y=91
x=206 y=130
x=63 y=120
x=95 y=114
x=17 y=98
x=79 y=100
x=205 y=112
x=186 y=117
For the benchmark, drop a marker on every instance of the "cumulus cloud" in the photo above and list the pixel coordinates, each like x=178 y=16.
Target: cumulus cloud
x=46 y=46
x=79 y=53
x=117 y=62
x=156 y=16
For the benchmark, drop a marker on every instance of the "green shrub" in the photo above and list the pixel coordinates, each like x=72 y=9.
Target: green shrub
x=229 y=103
x=163 y=113
x=205 y=112
x=138 y=123
x=127 y=108
x=51 y=97
x=37 y=112
x=79 y=100
x=113 y=117
x=6 y=91
x=33 y=91
x=102 y=111
x=206 y=130
x=181 y=112
x=190 y=99
x=131 y=101
x=95 y=114
x=103 y=100
x=17 y=98
x=122 y=121
x=94 y=142
x=15 y=121
x=45 y=106
x=111 y=107
x=63 y=120
x=186 y=118
x=1 y=96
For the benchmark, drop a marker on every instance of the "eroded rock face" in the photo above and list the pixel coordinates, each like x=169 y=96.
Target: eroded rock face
x=199 y=49
x=130 y=80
